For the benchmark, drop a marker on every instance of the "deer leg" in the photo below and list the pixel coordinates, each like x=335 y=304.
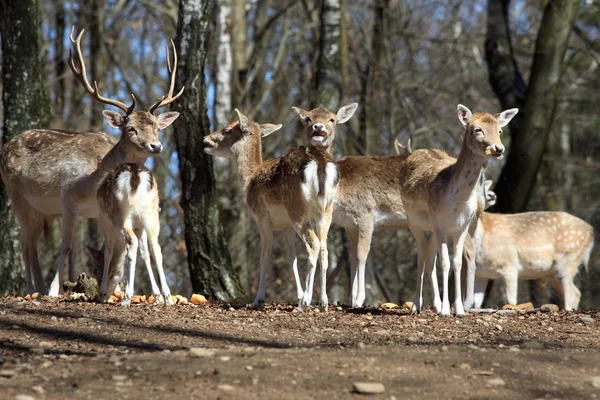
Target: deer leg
x=289 y=235
x=457 y=258
x=109 y=244
x=132 y=248
x=470 y=283
x=324 y=255
x=158 y=259
x=36 y=231
x=143 y=241
x=266 y=243
x=352 y=235
x=363 y=246
x=510 y=286
x=442 y=246
x=421 y=246
x=479 y=291
x=311 y=240
x=68 y=225
x=430 y=260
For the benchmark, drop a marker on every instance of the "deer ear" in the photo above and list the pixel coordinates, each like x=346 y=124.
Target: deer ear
x=244 y=122
x=464 y=115
x=114 y=119
x=267 y=129
x=166 y=119
x=505 y=116
x=346 y=112
x=303 y=114
x=488 y=184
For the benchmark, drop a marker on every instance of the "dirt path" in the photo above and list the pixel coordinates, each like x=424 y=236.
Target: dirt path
x=66 y=350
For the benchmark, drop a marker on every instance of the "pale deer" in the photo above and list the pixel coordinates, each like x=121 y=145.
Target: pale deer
x=293 y=193
x=443 y=199
x=51 y=173
x=129 y=208
x=369 y=194
x=527 y=246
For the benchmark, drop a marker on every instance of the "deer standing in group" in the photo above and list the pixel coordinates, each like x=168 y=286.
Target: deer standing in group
x=527 y=246
x=369 y=194
x=443 y=199
x=294 y=193
x=50 y=173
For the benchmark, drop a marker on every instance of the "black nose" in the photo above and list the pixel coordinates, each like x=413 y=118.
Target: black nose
x=498 y=148
x=318 y=127
x=156 y=147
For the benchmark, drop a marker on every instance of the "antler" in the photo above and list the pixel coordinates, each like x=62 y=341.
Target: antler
x=82 y=76
x=168 y=99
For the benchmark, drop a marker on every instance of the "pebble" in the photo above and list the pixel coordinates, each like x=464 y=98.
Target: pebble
x=587 y=320
x=38 y=389
x=499 y=327
x=225 y=387
x=24 y=397
x=595 y=381
x=7 y=373
x=549 y=307
x=119 y=378
x=368 y=387
x=199 y=352
x=496 y=382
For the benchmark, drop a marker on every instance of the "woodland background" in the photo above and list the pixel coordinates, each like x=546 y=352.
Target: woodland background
x=406 y=62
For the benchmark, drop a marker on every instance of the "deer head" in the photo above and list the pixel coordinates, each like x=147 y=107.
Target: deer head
x=139 y=129
x=320 y=123
x=236 y=136
x=483 y=130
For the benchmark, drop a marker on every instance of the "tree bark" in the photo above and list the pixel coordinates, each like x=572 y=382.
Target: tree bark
x=26 y=106
x=238 y=45
x=328 y=77
x=224 y=67
x=530 y=131
x=209 y=261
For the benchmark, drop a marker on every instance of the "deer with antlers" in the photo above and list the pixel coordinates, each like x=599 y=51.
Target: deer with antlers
x=293 y=193
x=50 y=173
x=443 y=199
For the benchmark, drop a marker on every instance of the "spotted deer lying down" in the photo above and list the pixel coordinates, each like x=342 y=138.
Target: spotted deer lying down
x=527 y=246
x=293 y=193
x=129 y=207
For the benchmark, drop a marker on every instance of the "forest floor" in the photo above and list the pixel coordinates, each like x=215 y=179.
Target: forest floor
x=82 y=350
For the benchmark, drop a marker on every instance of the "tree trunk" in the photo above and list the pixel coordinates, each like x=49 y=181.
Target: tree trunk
x=328 y=77
x=224 y=65
x=209 y=261
x=529 y=133
x=238 y=45
x=26 y=106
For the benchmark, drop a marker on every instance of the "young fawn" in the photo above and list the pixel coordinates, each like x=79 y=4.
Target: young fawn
x=293 y=193
x=50 y=173
x=443 y=199
x=527 y=246
x=129 y=208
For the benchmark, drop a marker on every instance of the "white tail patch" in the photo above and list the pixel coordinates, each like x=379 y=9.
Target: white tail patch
x=310 y=186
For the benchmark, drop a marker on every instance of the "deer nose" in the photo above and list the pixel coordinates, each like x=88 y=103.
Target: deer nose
x=318 y=127
x=498 y=148
x=156 y=147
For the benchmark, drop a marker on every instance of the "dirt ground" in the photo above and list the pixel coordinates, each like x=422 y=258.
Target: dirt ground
x=76 y=350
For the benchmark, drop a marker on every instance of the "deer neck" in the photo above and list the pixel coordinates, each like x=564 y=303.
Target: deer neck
x=248 y=161
x=465 y=173
x=119 y=154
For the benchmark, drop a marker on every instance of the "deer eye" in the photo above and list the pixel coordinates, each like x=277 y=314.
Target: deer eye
x=332 y=120
x=131 y=129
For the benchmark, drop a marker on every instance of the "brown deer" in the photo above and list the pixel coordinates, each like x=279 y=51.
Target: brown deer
x=369 y=193
x=293 y=193
x=129 y=207
x=50 y=173
x=443 y=199
x=527 y=246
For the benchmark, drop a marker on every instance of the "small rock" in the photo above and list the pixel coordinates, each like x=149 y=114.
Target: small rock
x=7 y=373
x=499 y=327
x=249 y=368
x=38 y=389
x=388 y=306
x=37 y=350
x=515 y=349
x=119 y=378
x=595 y=381
x=45 y=344
x=227 y=388
x=24 y=397
x=587 y=320
x=464 y=366
x=368 y=387
x=225 y=358
x=199 y=352
x=444 y=348
x=496 y=382
x=549 y=308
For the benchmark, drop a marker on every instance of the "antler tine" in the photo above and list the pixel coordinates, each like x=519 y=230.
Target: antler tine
x=81 y=76
x=168 y=99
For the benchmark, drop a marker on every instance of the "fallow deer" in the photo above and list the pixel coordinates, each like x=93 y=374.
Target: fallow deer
x=443 y=199
x=293 y=193
x=368 y=196
x=50 y=173
x=129 y=208
x=527 y=246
